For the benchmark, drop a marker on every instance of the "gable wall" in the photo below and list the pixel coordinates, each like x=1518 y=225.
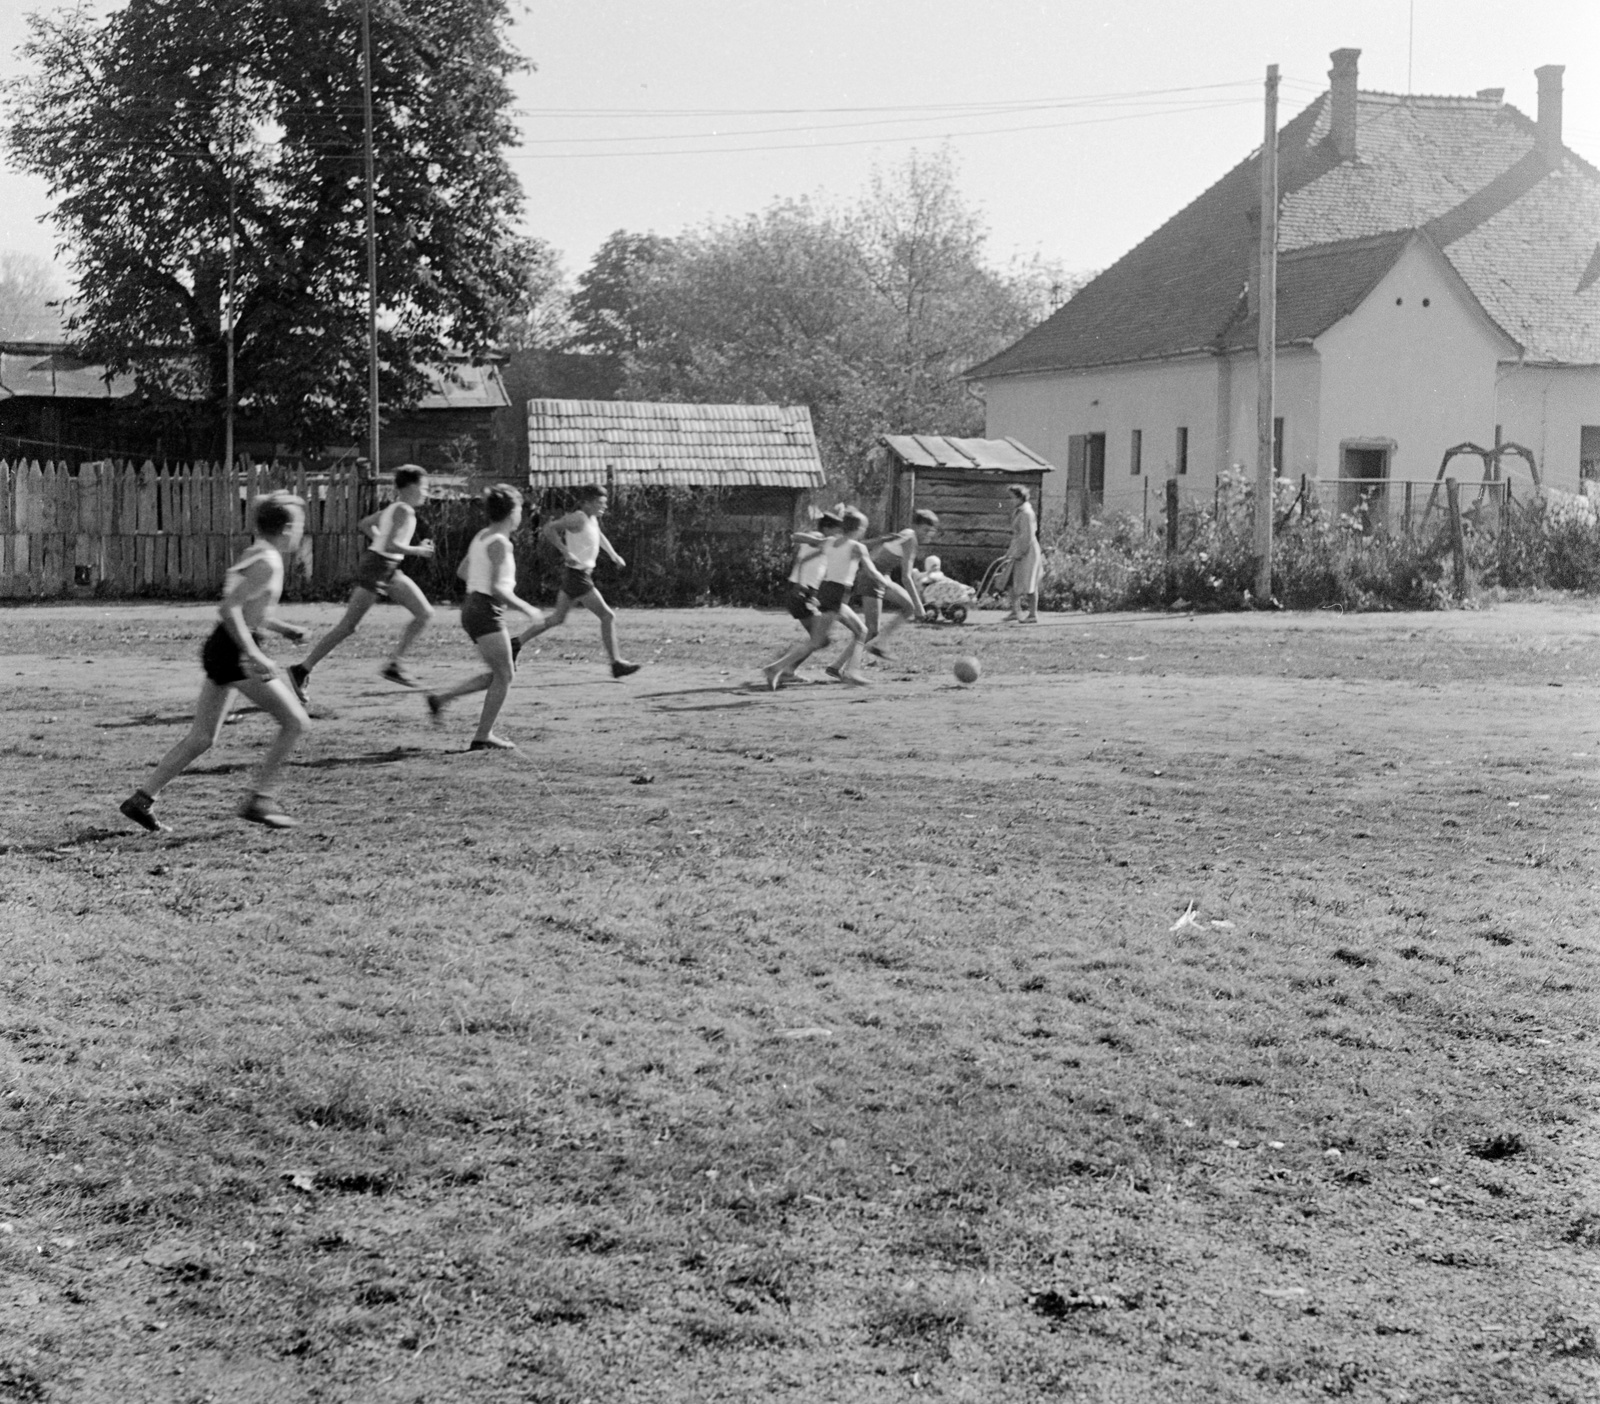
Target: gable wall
x=1544 y=408
x=1423 y=377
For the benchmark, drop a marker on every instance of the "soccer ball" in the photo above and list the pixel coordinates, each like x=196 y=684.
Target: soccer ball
x=966 y=670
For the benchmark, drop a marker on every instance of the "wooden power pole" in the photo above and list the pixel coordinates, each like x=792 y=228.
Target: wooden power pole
x=372 y=244
x=1267 y=342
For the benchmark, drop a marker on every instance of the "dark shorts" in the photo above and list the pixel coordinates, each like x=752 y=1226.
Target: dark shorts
x=221 y=658
x=801 y=602
x=831 y=596
x=575 y=583
x=482 y=614
x=375 y=571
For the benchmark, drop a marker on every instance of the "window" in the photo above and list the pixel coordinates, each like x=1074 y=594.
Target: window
x=1589 y=453
x=1183 y=450
x=1136 y=454
x=1277 y=448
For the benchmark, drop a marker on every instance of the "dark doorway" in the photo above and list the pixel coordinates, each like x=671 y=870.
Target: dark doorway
x=1095 y=469
x=1362 y=489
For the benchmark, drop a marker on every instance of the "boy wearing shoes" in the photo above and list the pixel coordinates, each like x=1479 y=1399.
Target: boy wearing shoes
x=490 y=570
x=233 y=662
x=845 y=556
x=579 y=539
x=379 y=573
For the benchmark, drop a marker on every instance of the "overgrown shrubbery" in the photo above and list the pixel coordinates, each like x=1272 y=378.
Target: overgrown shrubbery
x=1320 y=559
x=674 y=557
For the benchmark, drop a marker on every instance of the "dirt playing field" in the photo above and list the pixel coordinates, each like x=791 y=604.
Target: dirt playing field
x=1194 y=1008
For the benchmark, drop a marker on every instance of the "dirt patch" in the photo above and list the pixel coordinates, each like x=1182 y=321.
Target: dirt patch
x=1191 y=1007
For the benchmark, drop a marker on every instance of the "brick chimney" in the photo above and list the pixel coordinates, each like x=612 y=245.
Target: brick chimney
x=1342 y=102
x=1548 y=139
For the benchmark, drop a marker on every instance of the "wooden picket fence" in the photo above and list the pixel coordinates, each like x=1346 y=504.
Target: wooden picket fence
x=118 y=529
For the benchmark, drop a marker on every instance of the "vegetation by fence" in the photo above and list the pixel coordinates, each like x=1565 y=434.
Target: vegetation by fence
x=124 y=529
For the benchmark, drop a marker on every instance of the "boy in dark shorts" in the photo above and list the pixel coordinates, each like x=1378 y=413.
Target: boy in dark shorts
x=800 y=596
x=379 y=574
x=490 y=571
x=896 y=556
x=577 y=536
x=233 y=662
x=845 y=557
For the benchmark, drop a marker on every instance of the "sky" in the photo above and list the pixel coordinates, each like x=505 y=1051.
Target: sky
x=1077 y=128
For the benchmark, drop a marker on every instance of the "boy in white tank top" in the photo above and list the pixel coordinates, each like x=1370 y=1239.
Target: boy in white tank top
x=577 y=536
x=379 y=574
x=232 y=661
x=846 y=556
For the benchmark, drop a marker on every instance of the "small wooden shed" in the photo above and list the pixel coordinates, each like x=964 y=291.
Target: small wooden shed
x=963 y=482
x=761 y=459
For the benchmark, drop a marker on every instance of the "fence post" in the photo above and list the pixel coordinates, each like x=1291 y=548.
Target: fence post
x=1458 y=543
x=1172 y=532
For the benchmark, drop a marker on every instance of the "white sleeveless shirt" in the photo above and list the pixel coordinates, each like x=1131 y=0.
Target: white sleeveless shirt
x=841 y=560
x=256 y=606
x=583 y=545
x=482 y=575
x=808 y=572
x=381 y=532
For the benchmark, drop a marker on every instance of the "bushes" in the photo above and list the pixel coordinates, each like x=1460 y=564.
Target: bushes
x=675 y=555
x=1319 y=559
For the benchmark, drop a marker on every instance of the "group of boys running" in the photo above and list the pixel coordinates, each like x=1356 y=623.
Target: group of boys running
x=838 y=576
x=232 y=659
x=835 y=573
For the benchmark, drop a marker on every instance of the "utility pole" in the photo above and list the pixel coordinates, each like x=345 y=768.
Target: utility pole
x=372 y=245
x=227 y=429
x=1267 y=342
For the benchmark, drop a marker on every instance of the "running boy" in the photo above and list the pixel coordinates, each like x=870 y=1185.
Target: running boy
x=490 y=570
x=845 y=556
x=896 y=556
x=233 y=662
x=800 y=599
x=579 y=539
x=379 y=573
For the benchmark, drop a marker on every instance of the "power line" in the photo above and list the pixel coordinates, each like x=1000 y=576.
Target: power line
x=520 y=155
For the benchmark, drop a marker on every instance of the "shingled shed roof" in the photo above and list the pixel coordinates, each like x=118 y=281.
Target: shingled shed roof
x=645 y=444
x=1518 y=223
x=938 y=451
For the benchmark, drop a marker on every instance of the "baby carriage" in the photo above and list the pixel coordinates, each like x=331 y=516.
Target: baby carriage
x=942 y=596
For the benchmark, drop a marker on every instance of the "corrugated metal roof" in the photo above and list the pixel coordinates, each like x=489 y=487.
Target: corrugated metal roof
x=646 y=444
x=55 y=375
x=982 y=455
x=463 y=386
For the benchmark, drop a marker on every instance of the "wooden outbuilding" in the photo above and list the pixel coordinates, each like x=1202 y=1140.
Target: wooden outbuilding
x=754 y=464
x=963 y=482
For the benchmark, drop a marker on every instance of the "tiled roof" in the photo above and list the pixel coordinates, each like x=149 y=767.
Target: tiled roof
x=941 y=451
x=571 y=442
x=1520 y=230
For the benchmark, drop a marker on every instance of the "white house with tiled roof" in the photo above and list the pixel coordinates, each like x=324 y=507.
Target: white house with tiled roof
x=1438 y=283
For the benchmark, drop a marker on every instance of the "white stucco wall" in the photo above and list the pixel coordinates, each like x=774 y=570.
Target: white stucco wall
x=1200 y=393
x=1420 y=375
x=1544 y=408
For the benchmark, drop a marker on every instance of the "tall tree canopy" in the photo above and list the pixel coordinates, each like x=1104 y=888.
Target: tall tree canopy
x=867 y=313
x=167 y=123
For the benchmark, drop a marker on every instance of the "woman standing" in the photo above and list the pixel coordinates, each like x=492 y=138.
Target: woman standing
x=1026 y=561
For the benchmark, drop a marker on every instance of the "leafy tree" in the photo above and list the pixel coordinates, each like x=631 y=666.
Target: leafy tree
x=167 y=122
x=542 y=317
x=604 y=314
x=28 y=292
x=868 y=314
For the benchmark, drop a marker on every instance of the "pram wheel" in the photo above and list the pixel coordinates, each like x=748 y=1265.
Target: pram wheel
x=956 y=614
